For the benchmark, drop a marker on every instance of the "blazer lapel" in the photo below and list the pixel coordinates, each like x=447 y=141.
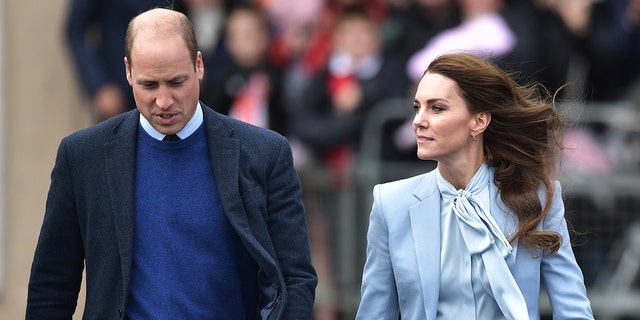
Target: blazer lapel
x=425 y=228
x=225 y=159
x=224 y=151
x=120 y=162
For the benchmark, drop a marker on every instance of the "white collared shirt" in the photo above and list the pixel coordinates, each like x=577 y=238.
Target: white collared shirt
x=188 y=129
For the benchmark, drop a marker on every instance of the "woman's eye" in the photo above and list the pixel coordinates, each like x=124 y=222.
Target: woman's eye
x=416 y=108
x=437 y=108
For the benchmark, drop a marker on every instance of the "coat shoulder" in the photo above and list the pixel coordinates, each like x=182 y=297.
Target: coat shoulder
x=417 y=185
x=103 y=131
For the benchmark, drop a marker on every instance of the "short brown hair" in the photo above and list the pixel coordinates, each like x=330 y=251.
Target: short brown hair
x=162 y=21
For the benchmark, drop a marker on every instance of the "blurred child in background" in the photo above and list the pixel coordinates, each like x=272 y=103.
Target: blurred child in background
x=249 y=87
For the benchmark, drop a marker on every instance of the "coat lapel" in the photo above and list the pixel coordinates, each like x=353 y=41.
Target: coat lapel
x=225 y=160
x=224 y=150
x=120 y=162
x=425 y=228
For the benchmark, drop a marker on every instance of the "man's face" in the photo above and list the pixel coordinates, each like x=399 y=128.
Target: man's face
x=166 y=85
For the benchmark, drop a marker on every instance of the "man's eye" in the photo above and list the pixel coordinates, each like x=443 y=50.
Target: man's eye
x=148 y=85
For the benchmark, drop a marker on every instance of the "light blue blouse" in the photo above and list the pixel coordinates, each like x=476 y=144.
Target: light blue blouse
x=464 y=290
x=471 y=244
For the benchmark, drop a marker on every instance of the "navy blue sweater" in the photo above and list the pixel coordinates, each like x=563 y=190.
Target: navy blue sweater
x=188 y=262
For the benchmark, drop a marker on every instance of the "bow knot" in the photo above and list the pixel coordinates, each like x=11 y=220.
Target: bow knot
x=479 y=229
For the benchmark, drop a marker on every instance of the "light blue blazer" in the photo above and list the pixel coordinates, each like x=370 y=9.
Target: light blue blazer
x=402 y=270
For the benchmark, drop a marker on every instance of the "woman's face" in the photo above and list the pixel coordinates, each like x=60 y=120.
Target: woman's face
x=442 y=122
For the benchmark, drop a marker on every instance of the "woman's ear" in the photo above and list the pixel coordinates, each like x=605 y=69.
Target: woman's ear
x=482 y=121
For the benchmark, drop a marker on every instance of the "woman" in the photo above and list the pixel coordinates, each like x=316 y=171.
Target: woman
x=473 y=238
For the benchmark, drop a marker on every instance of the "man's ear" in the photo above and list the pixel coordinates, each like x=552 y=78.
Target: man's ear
x=199 y=66
x=127 y=70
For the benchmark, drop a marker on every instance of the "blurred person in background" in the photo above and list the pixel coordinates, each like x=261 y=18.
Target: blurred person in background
x=594 y=46
x=477 y=237
x=209 y=17
x=328 y=124
x=302 y=38
x=249 y=88
x=172 y=210
x=590 y=44
x=357 y=76
x=299 y=43
x=95 y=31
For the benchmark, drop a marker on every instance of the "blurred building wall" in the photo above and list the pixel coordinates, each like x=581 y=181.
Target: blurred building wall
x=41 y=105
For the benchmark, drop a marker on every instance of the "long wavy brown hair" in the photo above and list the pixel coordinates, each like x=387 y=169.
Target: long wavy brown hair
x=521 y=142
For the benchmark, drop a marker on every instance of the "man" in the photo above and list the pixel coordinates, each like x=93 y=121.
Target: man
x=209 y=226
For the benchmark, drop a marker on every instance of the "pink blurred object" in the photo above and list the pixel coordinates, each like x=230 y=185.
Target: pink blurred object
x=585 y=154
x=484 y=35
x=286 y=13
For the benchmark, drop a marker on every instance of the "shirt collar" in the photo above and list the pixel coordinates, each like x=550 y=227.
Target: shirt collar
x=188 y=129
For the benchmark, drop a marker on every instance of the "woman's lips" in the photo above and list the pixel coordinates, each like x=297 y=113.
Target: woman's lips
x=424 y=138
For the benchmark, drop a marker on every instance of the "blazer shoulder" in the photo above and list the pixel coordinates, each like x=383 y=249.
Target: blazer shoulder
x=420 y=186
x=98 y=133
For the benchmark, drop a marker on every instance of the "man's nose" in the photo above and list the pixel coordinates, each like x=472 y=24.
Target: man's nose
x=164 y=99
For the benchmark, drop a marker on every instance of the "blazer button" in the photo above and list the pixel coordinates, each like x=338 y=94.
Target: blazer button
x=120 y=313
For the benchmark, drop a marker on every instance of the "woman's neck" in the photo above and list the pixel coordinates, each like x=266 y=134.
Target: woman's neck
x=459 y=175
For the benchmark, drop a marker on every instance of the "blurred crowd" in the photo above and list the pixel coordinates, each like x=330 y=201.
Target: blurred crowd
x=313 y=70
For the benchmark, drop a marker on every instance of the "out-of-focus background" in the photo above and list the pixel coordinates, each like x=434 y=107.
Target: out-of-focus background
x=337 y=78
x=40 y=104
